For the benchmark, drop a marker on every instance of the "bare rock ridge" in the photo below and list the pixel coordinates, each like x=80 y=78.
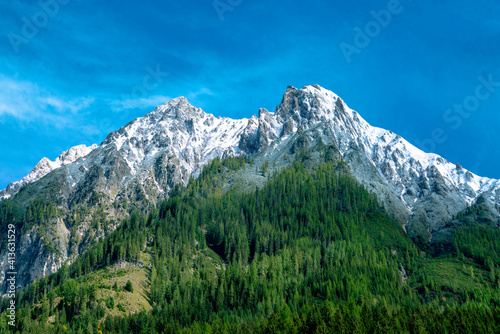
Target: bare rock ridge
x=141 y=162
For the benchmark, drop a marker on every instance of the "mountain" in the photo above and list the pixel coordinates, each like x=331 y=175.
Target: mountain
x=45 y=166
x=141 y=163
x=146 y=157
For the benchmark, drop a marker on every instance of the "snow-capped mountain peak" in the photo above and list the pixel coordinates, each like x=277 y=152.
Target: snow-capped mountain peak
x=176 y=139
x=45 y=166
x=418 y=186
x=177 y=128
x=140 y=163
x=392 y=154
x=311 y=103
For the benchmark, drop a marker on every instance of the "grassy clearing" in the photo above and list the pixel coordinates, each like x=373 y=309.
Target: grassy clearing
x=452 y=278
x=111 y=283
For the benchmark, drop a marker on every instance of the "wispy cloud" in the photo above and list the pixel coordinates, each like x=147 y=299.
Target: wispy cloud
x=73 y=106
x=202 y=91
x=30 y=105
x=147 y=102
x=26 y=102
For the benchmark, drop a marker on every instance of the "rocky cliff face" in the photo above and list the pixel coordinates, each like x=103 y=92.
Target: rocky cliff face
x=139 y=164
x=41 y=250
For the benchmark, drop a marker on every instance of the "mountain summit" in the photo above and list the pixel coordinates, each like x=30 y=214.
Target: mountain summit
x=142 y=162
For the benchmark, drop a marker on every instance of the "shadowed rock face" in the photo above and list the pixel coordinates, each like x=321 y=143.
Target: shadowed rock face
x=141 y=162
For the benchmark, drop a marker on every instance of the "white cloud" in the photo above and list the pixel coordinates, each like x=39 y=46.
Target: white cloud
x=28 y=103
x=61 y=105
x=202 y=91
x=148 y=102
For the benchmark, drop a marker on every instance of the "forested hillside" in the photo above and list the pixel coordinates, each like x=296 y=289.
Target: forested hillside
x=311 y=251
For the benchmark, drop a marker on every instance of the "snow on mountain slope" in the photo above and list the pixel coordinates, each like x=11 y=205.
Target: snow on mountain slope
x=395 y=158
x=179 y=128
x=140 y=163
x=45 y=166
x=422 y=190
x=175 y=140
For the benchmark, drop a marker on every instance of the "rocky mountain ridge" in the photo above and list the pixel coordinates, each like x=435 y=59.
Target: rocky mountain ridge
x=141 y=162
x=45 y=166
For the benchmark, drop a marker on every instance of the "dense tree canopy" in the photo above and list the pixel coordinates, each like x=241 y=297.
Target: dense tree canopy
x=312 y=250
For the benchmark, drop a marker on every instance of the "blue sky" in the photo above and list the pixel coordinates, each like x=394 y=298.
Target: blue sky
x=72 y=71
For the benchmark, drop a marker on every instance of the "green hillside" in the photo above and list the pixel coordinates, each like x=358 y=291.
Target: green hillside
x=309 y=251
